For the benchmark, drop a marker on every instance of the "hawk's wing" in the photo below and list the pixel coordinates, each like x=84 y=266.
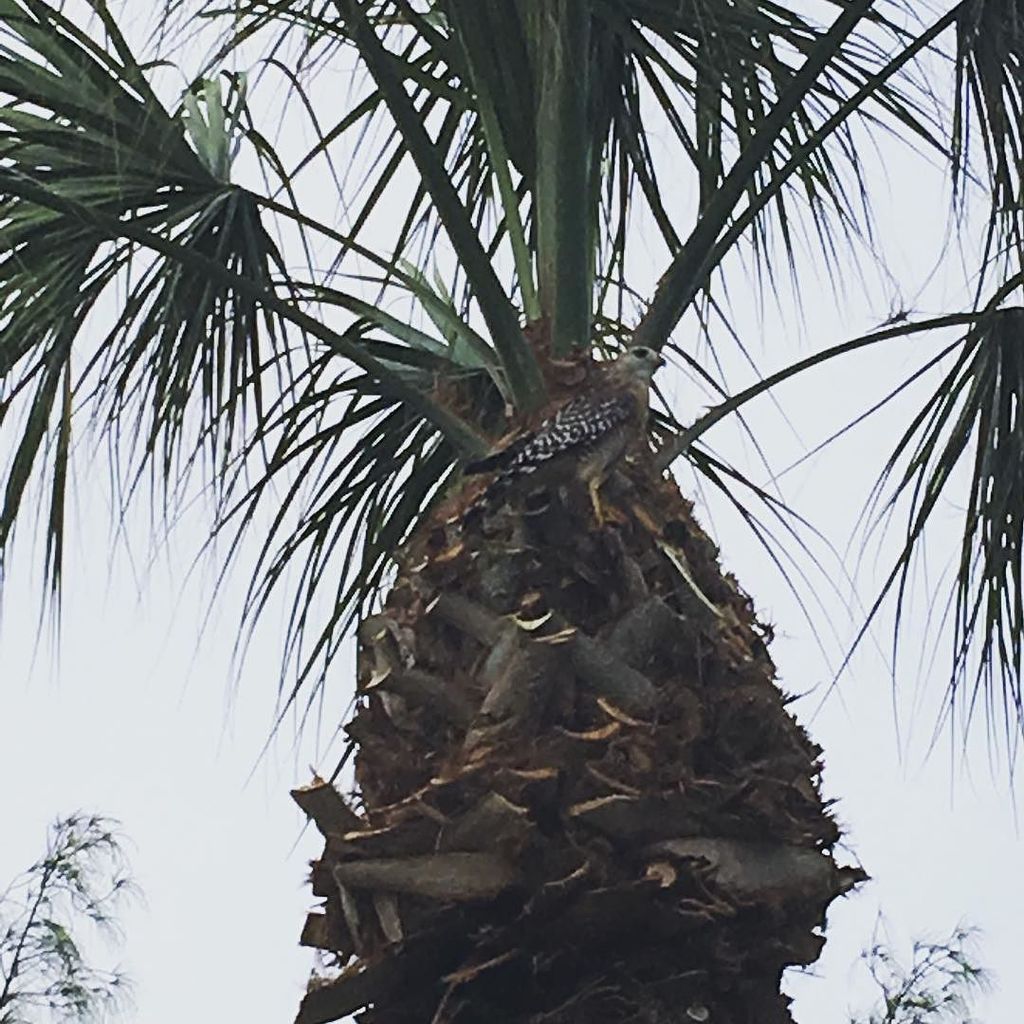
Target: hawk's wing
x=575 y=428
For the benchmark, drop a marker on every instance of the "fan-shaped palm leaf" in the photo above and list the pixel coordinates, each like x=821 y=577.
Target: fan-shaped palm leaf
x=101 y=181
x=973 y=419
x=581 y=133
x=989 y=105
x=527 y=129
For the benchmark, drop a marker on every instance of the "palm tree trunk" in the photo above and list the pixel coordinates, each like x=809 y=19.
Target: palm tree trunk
x=581 y=796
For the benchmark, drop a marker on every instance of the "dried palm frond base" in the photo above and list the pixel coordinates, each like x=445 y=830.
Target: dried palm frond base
x=582 y=798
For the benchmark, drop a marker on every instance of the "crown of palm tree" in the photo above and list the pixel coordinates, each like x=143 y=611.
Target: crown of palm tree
x=170 y=277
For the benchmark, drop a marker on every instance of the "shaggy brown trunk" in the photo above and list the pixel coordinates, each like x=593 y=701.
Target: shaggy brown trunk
x=580 y=795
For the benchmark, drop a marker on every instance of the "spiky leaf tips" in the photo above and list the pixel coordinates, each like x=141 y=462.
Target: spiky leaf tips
x=528 y=129
x=94 y=163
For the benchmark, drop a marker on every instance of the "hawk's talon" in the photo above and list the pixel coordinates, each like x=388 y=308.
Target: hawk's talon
x=602 y=515
x=582 y=439
x=593 y=488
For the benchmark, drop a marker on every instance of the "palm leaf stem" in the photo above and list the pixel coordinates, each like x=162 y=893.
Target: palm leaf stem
x=815 y=141
x=688 y=270
x=510 y=200
x=457 y=430
x=561 y=44
x=524 y=378
x=677 y=445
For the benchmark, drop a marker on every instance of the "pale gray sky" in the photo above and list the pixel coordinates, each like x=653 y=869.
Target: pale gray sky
x=135 y=720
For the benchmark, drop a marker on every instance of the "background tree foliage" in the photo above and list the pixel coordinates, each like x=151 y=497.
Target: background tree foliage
x=80 y=880
x=939 y=983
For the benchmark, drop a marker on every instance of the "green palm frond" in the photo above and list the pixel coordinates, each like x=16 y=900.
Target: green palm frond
x=81 y=125
x=689 y=270
x=988 y=112
x=435 y=126
x=721 y=79
x=104 y=187
x=489 y=160
x=502 y=319
x=351 y=473
x=972 y=423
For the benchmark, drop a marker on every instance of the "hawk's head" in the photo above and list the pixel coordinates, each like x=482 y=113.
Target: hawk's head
x=638 y=364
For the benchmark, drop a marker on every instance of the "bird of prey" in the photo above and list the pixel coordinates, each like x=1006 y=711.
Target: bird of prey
x=583 y=438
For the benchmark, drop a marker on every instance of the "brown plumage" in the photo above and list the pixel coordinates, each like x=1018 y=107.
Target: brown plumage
x=583 y=439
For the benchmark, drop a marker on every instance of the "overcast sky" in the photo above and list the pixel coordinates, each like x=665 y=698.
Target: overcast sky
x=133 y=717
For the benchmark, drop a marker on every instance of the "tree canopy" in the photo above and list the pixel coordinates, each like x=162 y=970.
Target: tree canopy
x=313 y=271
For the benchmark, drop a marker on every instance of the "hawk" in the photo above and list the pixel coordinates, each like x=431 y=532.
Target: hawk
x=584 y=438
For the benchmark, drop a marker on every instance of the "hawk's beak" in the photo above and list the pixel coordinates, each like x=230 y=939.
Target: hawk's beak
x=661 y=360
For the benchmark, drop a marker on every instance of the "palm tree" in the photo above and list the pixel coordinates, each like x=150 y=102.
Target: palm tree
x=580 y=795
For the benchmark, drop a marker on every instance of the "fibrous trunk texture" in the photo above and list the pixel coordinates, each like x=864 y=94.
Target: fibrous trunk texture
x=580 y=796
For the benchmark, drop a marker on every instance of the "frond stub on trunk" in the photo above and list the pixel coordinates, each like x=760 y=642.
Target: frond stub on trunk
x=610 y=815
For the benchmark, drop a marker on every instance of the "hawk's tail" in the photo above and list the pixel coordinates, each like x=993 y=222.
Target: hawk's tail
x=488 y=464
x=499 y=460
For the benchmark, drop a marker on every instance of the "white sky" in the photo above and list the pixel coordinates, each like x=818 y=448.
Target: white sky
x=136 y=720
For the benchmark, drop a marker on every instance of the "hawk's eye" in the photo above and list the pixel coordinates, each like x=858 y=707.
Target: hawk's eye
x=642 y=353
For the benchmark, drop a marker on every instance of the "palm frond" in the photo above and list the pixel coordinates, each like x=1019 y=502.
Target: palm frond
x=494 y=52
x=702 y=70
x=533 y=134
x=969 y=424
x=81 y=129
x=679 y=443
x=689 y=269
x=988 y=112
x=351 y=473
x=104 y=187
x=972 y=422
x=518 y=361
